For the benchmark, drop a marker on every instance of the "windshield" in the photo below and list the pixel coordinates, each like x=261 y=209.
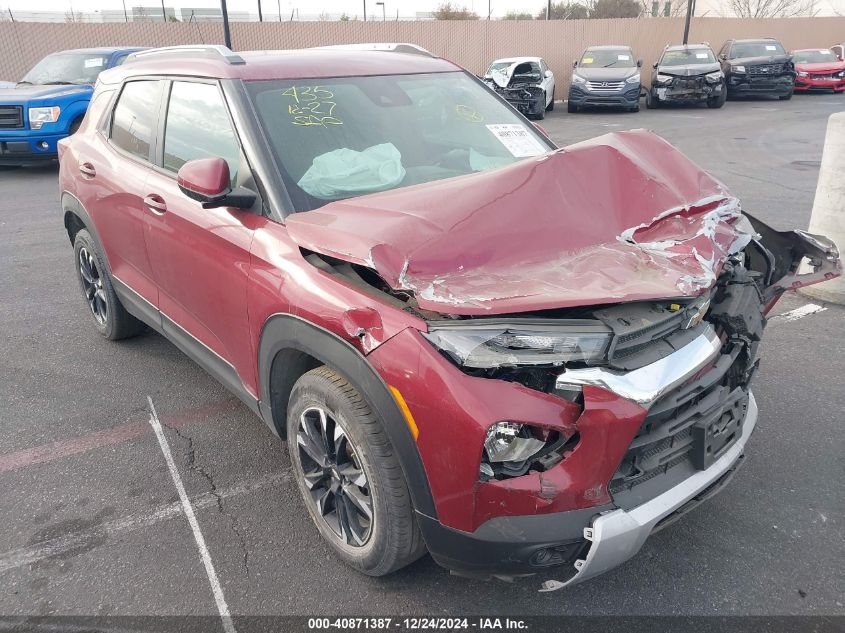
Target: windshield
x=608 y=58
x=498 y=66
x=756 y=49
x=814 y=57
x=66 y=68
x=343 y=137
x=688 y=57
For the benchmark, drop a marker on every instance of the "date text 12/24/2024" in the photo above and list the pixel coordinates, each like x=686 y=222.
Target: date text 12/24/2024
x=417 y=624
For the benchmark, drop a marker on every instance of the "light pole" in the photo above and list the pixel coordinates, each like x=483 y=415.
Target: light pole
x=125 y=15
x=383 y=13
x=260 y=17
x=365 y=10
x=690 y=12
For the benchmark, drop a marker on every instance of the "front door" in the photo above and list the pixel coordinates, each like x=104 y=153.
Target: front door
x=200 y=257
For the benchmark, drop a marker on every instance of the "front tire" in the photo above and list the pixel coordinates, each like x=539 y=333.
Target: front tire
x=719 y=101
x=551 y=105
x=349 y=476
x=787 y=96
x=110 y=317
x=651 y=101
x=571 y=107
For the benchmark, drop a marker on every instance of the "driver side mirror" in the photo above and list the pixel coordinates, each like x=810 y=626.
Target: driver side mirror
x=207 y=180
x=547 y=74
x=639 y=63
x=654 y=65
x=723 y=56
x=575 y=64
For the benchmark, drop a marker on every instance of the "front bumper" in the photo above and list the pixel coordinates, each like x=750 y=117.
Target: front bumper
x=696 y=94
x=617 y=535
x=806 y=84
x=30 y=148
x=750 y=85
x=626 y=98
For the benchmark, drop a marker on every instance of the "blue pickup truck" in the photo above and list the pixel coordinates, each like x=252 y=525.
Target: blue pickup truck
x=49 y=102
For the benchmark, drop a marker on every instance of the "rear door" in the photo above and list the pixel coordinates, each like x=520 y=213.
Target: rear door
x=200 y=257
x=114 y=168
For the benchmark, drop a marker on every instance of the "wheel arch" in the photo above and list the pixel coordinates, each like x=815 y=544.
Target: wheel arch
x=76 y=218
x=290 y=346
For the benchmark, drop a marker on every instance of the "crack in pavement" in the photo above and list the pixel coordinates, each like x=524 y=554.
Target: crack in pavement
x=193 y=465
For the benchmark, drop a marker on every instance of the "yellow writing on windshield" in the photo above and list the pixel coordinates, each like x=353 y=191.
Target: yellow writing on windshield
x=312 y=105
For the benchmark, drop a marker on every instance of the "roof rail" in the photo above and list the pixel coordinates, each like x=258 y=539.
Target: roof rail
x=190 y=50
x=388 y=47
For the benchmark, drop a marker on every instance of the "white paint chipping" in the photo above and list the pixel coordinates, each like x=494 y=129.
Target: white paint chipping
x=24 y=556
x=216 y=589
x=799 y=313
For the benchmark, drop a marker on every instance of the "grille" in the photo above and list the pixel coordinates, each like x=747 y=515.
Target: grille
x=686 y=430
x=830 y=76
x=766 y=69
x=11 y=116
x=605 y=86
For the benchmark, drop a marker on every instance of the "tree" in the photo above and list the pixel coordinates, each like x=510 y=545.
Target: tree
x=566 y=11
x=771 y=8
x=518 y=15
x=448 y=11
x=677 y=8
x=603 y=9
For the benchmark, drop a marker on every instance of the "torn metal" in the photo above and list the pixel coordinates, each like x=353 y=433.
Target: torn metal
x=520 y=85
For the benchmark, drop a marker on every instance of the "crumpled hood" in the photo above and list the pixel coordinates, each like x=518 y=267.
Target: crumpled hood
x=622 y=217
x=690 y=70
x=21 y=94
x=503 y=76
x=821 y=67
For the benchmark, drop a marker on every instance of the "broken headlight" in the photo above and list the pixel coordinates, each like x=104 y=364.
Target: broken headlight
x=511 y=449
x=496 y=344
x=714 y=77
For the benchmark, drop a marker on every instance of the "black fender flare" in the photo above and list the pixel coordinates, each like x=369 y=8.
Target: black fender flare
x=285 y=333
x=72 y=206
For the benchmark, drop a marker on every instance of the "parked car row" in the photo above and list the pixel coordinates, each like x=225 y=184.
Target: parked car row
x=610 y=76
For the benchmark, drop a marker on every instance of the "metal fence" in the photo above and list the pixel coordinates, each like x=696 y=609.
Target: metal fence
x=472 y=44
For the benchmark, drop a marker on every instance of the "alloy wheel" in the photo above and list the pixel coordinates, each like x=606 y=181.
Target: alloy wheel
x=92 y=285
x=334 y=476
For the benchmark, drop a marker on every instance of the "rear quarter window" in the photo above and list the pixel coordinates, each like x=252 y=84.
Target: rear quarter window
x=134 y=118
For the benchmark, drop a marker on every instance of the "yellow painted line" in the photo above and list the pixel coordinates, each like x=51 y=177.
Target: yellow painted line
x=409 y=418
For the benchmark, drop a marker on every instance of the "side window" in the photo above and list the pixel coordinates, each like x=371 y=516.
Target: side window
x=134 y=118
x=198 y=126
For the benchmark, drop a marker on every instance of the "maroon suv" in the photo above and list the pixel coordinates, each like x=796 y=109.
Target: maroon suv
x=509 y=355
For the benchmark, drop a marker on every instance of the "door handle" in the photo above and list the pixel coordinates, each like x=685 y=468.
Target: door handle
x=156 y=204
x=87 y=169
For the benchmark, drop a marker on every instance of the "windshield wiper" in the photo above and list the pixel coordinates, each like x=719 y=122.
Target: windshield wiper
x=58 y=83
x=21 y=83
x=608 y=65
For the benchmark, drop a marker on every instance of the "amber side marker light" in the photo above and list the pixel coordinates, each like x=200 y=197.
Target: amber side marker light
x=409 y=418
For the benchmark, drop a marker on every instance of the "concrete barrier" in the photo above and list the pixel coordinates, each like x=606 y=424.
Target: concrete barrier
x=828 y=216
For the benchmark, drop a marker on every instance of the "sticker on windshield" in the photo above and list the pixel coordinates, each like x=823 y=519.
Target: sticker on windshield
x=623 y=58
x=701 y=55
x=94 y=62
x=769 y=47
x=824 y=52
x=516 y=139
x=587 y=60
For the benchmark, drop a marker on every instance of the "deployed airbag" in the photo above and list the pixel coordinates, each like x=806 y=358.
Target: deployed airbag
x=344 y=172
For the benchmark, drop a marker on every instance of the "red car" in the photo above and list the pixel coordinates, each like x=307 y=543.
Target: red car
x=818 y=69
x=509 y=355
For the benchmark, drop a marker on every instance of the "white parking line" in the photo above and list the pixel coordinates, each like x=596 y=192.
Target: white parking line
x=216 y=589
x=798 y=313
x=23 y=556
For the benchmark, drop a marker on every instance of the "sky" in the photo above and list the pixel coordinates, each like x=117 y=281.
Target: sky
x=406 y=8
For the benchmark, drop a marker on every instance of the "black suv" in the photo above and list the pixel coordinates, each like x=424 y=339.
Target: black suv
x=757 y=67
x=687 y=74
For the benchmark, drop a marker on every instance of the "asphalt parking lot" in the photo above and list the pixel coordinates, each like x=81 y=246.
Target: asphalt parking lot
x=92 y=522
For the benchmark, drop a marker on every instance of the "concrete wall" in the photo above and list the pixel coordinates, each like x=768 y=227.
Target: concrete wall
x=473 y=44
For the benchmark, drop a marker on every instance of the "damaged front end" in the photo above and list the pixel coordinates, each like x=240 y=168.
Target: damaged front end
x=520 y=85
x=592 y=370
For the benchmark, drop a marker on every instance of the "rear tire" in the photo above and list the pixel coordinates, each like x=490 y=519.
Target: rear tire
x=110 y=317
x=345 y=468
